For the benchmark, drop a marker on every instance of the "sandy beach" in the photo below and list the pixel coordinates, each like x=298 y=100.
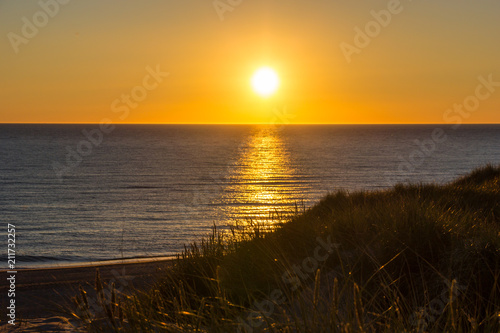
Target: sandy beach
x=43 y=296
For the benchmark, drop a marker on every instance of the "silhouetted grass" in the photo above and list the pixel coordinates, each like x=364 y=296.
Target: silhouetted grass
x=414 y=258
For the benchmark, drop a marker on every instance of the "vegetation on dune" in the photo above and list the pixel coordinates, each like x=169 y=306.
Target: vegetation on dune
x=414 y=258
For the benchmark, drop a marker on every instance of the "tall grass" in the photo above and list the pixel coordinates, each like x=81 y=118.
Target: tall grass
x=415 y=258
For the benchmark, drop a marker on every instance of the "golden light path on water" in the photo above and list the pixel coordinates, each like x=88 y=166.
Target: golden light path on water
x=263 y=181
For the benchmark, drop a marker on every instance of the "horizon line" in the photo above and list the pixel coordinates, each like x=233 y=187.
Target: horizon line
x=207 y=124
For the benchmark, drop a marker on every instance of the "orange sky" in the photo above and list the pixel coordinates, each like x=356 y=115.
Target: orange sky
x=76 y=61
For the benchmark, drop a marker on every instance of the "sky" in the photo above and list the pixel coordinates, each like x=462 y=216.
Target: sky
x=162 y=61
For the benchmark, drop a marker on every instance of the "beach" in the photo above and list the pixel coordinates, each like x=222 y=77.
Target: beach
x=43 y=296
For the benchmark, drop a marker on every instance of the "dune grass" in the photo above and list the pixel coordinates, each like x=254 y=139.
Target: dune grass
x=414 y=258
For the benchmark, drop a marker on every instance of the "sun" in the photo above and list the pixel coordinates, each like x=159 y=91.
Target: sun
x=265 y=81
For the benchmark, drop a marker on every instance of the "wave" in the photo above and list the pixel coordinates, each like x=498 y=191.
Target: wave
x=34 y=262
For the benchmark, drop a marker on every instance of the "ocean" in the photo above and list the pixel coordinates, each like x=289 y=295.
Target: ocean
x=89 y=193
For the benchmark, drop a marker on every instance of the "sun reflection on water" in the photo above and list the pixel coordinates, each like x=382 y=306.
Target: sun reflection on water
x=263 y=180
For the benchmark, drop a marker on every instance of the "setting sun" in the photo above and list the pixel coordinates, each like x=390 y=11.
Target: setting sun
x=265 y=81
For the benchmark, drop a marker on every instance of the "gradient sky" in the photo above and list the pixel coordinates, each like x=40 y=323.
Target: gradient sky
x=91 y=53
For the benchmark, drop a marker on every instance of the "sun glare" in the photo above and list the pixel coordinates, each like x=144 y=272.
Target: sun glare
x=265 y=81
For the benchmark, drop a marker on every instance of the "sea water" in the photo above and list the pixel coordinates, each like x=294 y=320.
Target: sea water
x=79 y=193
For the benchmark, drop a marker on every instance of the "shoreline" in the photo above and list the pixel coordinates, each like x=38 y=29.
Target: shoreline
x=80 y=264
x=48 y=292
